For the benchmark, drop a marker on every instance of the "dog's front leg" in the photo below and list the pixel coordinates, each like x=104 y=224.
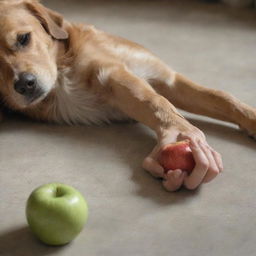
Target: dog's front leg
x=136 y=98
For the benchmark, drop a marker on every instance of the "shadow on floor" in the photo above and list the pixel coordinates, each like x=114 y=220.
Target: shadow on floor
x=20 y=242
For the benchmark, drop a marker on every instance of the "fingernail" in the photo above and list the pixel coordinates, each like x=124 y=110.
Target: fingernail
x=177 y=174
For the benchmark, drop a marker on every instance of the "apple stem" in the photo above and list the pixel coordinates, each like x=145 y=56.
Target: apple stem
x=58 y=192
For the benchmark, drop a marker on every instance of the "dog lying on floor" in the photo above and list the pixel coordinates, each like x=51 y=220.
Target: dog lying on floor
x=55 y=71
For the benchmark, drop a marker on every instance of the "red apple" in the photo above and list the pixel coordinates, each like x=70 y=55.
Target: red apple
x=177 y=156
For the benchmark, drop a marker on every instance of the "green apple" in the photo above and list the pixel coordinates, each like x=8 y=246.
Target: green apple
x=56 y=213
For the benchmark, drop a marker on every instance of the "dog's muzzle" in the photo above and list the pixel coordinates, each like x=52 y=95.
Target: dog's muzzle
x=27 y=85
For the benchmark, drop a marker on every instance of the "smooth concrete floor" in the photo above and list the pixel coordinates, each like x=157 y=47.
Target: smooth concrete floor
x=130 y=212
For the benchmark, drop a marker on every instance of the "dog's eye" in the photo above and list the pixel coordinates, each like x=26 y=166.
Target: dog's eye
x=23 y=39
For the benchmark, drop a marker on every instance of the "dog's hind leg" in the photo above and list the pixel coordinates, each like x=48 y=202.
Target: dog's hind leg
x=194 y=98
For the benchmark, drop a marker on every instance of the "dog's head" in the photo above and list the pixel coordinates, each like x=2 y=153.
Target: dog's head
x=28 y=49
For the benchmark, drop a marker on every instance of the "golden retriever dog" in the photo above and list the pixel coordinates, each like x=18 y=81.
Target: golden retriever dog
x=56 y=71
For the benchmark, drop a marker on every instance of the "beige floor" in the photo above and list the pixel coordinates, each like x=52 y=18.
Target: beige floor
x=130 y=213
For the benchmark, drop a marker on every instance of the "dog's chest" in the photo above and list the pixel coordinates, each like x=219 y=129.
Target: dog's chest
x=74 y=105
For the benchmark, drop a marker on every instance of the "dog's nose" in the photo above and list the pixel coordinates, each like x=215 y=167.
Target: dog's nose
x=26 y=84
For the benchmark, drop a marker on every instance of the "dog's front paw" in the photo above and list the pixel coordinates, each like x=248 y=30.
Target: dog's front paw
x=208 y=162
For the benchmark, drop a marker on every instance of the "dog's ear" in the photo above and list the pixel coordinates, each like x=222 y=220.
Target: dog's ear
x=50 y=20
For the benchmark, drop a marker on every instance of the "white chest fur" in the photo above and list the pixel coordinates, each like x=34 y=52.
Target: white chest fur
x=75 y=105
